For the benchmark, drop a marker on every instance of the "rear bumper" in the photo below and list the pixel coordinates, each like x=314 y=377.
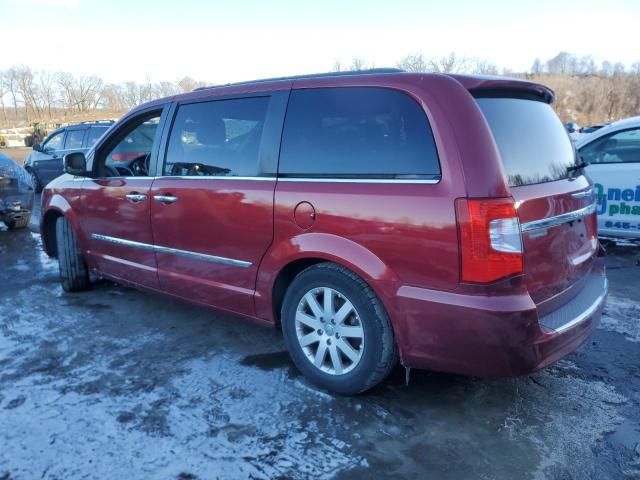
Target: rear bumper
x=494 y=336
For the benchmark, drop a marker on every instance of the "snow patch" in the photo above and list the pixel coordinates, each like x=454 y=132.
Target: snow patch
x=583 y=412
x=622 y=315
x=67 y=413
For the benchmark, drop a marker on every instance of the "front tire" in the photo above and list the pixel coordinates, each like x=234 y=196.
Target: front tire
x=74 y=274
x=37 y=186
x=336 y=330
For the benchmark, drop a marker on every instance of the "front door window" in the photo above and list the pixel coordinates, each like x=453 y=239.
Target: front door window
x=129 y=154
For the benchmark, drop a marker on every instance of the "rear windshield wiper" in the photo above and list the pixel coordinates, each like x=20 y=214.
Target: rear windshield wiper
x=577 y=166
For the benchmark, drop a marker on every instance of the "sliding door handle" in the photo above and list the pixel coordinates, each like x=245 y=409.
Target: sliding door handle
x=165 y=198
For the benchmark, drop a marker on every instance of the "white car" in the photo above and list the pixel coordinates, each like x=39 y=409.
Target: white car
x=613 y=155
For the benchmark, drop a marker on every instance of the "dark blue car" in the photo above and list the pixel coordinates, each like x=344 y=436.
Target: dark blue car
x=45 y=162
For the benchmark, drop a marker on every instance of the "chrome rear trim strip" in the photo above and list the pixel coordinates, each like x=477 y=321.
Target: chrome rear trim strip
x=588 y=312
x=559 y=219
x=173 y=251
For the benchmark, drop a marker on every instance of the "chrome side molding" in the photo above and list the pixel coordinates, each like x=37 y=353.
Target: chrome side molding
x=173 y=251
x=558 y=219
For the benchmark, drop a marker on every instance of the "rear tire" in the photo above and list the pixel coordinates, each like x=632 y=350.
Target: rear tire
x=345 y=350
x=74 y=274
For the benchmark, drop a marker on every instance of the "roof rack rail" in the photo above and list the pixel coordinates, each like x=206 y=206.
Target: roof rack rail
x=370 y=71
x=89 y=122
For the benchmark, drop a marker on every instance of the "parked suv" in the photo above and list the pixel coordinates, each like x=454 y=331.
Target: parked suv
x=436 y=219
x=45 y=162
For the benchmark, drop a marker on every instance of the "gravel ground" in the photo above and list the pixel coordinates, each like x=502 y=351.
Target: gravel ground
x=19 y=154
x=115 y=383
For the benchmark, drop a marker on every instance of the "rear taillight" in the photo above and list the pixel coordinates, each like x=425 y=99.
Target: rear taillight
x=490 y=239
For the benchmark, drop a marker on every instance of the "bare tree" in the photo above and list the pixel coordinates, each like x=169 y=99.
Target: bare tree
x=47 y=92
x=483 y=67
x=188 y=84
x=10 y=80
x=562 y=64
x=112 y=98
x=451 y=63
x=537 y=68
x=27 y=89
x=606 y=69
x=3 y=92
x=357 y=63
x=414 y=63
x=166 y=89
x=82 y=93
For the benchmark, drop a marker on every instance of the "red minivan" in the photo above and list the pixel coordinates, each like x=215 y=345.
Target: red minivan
x=438 y=220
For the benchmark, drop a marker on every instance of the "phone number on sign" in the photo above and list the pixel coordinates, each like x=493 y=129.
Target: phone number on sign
x=623 y=225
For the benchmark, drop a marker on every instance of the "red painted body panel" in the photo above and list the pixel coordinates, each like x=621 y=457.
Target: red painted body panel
x=105 y=210
x=225 y=218
x=559 y=257
x=484 y=336
x=63 y=197
x=401 y=238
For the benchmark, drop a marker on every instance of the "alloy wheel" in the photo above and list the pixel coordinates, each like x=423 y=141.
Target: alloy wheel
x=329 y=331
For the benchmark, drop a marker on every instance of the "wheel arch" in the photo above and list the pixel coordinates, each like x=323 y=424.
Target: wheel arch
x=55 y=208
x=286 y=260
x=48 y=231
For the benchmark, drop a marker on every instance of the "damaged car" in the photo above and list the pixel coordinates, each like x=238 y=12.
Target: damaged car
x=16 y=194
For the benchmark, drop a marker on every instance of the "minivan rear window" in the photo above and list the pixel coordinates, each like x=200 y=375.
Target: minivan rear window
x=357 y=132
x=532 y=141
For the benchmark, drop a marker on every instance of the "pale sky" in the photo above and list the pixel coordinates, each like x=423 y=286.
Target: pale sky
x=237 y=40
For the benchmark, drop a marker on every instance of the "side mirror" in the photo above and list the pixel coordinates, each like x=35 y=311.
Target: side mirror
x=37 y=147
x=75 y=164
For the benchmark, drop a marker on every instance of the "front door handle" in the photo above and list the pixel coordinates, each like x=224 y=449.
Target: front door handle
x=165 y=198
x=136 y=197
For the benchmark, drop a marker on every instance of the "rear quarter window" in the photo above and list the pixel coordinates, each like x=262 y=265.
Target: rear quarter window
x=357 y=132
x=532 y=141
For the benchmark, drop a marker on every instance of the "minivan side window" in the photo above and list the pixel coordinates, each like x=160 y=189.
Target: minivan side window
x=357 y=132
x=217 y=138
x=618 y=147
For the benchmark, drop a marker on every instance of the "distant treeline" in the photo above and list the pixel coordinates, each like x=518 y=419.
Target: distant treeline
x=28 y=96
x=586 y=92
